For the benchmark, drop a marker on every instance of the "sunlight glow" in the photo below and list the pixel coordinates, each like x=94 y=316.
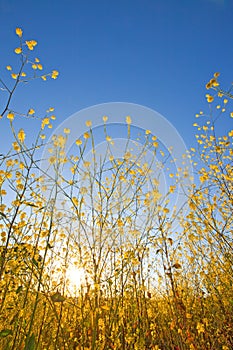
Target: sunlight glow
x=76 y=278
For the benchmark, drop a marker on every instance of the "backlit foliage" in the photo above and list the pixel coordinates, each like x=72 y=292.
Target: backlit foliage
x=142 y=282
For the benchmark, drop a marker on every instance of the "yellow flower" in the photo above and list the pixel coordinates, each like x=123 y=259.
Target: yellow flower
x=8 y=67
x=19 y=32
x=10 y=116
x=18 y=50
x=75 y=201
x=108 y=139
x=43 y=77
x=9 y=162
x=216 y=75
x=212 y=82
x=34 y=66
x=86 y=135
x=37 y=60
x=78 y=142
x=45 y=121
x=51 y=109
x=128 y=120
x=39 y=66
x=120 y=223
x=209 y=98
x=200 y=328
x=105 y=118
x=54 y=74
x=23 y=74
x=15 y=146
x=215 y=83
x=14 y=76
x=52 y=160
x=61 y=140
x=53 y=117
x=21 y=135
x=66 y=131
x=172 y=189
x=31 y=44
x=231 y=114
x=31 y=111
x=148 y=132
x=88 y=123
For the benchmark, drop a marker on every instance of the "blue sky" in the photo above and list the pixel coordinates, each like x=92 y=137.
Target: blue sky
x=157 y=53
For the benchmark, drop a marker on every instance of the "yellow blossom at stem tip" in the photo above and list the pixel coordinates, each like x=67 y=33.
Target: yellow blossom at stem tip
x=78 y=142
x=128 y=120
x=21 y=135
x=209 y=98
x=88 y=123
x=19 y=32
x=31 y=111
x=86 y=135
x=10 y=116
x=45 y=121
x=31 y=44
x=18 y=50
x=15 y=146
x=54 y=74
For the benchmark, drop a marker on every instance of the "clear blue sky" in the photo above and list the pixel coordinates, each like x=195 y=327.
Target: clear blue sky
x=157 y=53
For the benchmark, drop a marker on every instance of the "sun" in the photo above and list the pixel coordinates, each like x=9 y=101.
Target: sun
x=75 y=279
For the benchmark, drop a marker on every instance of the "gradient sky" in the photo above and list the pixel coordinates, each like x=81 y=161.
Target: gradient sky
x=157 y=53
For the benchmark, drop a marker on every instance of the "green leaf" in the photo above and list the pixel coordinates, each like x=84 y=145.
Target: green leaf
x=31 y=343
x=35 y=262
x=8 y=346
x=57 y=298
x=19 y=289
x=5 y=333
